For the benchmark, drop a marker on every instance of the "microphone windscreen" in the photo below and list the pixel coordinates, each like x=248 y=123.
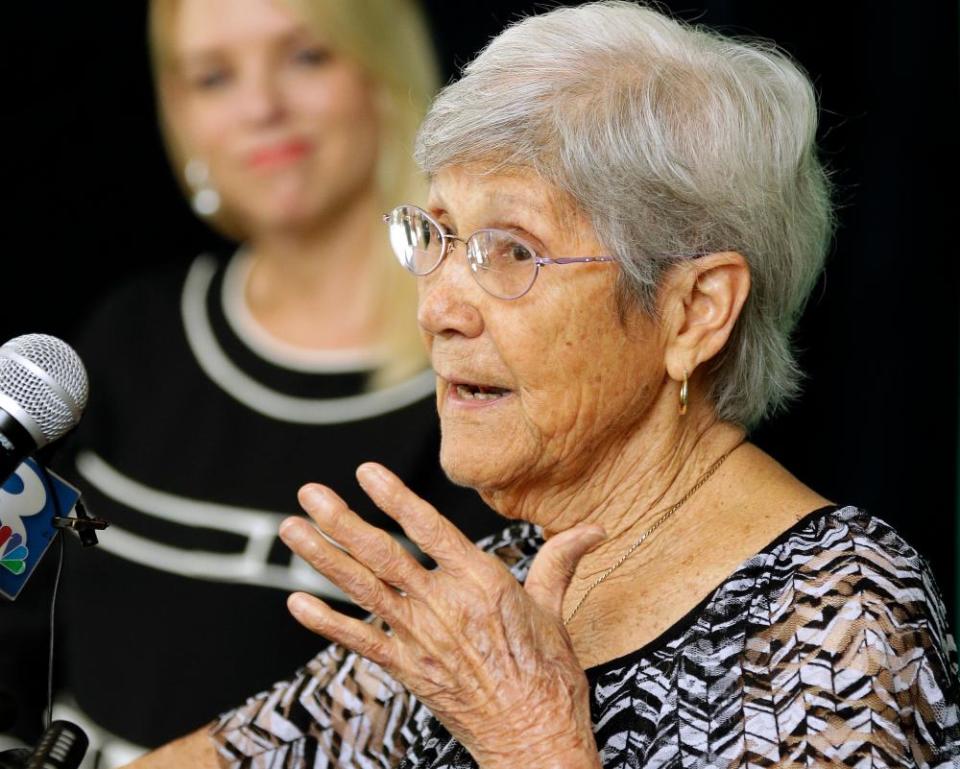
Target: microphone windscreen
x=43 y=383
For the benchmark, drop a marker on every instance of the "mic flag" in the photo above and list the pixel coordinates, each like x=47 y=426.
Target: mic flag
x=29 y=500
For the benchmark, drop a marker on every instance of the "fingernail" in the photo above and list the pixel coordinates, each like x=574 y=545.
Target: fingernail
x=297 y=603
x=597 y=533
x=315 y=496
x=290 y=530
x=370 y=471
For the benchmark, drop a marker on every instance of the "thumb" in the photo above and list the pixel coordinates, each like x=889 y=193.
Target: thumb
x=554 y=566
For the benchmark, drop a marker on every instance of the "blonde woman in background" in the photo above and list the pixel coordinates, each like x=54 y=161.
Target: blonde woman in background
x=216 y=393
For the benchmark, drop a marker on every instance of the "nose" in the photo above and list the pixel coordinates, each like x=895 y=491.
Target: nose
x=261 y=100
x=450 y=300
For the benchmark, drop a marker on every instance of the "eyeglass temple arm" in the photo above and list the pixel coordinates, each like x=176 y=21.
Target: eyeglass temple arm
x=573 y=259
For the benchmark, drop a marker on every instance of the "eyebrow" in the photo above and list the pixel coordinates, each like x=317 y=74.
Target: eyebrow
x=550 y=213
x=206 y=51
x=507 y=200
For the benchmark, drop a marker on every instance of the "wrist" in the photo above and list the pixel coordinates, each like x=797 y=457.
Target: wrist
x=586 y=758
x=581 y=754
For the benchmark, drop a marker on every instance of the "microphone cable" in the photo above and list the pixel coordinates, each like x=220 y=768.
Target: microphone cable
x=52 y=495
x=53 y=610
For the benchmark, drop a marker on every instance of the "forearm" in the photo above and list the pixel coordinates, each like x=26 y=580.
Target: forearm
x=195 y=751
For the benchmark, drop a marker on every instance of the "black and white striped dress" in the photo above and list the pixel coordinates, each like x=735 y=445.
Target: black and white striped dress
x=827 y=648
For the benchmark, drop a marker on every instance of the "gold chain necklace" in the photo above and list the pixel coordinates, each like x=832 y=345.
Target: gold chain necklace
x=656 y=525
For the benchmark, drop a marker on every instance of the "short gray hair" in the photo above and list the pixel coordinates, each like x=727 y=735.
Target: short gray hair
x=675 y=141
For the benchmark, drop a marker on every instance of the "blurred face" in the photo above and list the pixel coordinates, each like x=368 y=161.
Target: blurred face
x=538 y=389
x=287 y=126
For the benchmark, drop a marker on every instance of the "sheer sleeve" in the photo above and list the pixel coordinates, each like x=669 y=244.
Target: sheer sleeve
x=338 y=710
x=854 y=665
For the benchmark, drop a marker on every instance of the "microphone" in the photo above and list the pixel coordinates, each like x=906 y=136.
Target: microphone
x=61 y=746
x=43 y=392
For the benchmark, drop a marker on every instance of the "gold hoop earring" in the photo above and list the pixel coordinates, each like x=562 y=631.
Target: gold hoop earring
x=684 y=394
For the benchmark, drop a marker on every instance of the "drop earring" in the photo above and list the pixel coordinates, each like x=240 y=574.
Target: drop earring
x=205 y=200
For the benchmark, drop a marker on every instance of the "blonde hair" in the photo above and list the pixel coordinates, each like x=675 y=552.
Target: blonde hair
x=390 y=40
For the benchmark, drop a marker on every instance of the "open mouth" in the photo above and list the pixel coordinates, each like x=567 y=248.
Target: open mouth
x=471 y=392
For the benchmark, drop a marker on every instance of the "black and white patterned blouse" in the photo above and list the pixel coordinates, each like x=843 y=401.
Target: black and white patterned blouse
x=828 y=648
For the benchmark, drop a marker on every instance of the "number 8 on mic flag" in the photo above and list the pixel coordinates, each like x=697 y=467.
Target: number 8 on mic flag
x=27 y=511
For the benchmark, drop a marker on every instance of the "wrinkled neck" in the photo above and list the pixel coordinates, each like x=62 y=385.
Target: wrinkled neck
x=629 y=483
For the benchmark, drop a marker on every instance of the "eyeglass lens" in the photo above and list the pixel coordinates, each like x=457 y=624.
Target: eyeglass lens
x=415 y=239
x=501 y=263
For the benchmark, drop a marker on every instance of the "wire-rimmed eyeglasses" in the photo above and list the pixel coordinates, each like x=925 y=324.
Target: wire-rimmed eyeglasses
x=502 y=263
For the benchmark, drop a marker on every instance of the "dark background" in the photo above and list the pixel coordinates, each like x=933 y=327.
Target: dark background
x=90 y=201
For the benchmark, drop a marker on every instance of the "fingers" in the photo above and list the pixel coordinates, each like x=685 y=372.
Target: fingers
x=365 y=639
x=554 y=566
x=373 y=547
x=364 y=587
x=429 y=530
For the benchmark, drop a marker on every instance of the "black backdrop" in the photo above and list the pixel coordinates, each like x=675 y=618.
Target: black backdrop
x=89 y=201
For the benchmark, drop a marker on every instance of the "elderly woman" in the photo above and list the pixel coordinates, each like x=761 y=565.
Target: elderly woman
x=626 y=217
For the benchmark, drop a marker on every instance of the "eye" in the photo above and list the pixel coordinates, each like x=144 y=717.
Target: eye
x=209 y=80
x=518 y=252
x=426 y=232
x=312 y=55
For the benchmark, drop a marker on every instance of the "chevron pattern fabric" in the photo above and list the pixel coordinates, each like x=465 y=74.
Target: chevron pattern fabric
x=828 y=648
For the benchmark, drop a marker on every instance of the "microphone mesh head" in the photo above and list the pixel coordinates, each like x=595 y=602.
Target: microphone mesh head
x=42 y=402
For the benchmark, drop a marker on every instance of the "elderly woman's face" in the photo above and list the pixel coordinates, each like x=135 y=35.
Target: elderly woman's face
x=537 y=389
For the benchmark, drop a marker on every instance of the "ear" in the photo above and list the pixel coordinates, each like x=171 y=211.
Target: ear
x=701 y=307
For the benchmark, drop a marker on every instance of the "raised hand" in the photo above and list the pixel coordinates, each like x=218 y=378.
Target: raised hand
x=489 y=657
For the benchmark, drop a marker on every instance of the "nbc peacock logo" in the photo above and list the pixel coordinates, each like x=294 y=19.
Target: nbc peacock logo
x=13 y=552
x=26 y=522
